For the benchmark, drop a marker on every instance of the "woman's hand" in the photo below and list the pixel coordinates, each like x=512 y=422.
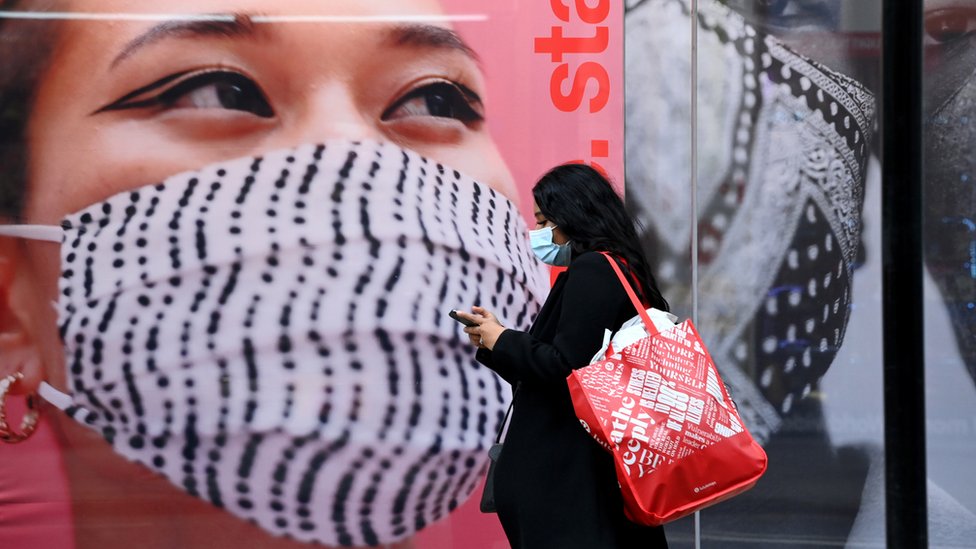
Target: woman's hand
x=486 y=333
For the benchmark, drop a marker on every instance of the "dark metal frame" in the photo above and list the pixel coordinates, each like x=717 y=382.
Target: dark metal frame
x=904 y=359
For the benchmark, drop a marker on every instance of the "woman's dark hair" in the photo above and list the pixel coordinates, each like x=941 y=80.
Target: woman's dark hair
x=25 y=48
x=583 y=203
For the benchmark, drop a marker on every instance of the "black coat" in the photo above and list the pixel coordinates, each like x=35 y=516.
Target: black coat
x=554 y=485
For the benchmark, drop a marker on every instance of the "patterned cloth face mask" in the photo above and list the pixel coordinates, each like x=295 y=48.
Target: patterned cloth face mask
x=271 y=334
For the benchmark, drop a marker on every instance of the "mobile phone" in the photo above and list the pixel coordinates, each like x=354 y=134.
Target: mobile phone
x=453 y=314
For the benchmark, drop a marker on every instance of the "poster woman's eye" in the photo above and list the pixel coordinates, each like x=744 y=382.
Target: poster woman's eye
x=771 y=7
x=948 y=25
x=209 y=89
x=440 y=99
x=786 y=15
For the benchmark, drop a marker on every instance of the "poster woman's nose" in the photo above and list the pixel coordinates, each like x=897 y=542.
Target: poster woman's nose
x=331 y=112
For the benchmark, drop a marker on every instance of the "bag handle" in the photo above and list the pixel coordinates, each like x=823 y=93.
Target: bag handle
x=508 y=413
x=651 y=328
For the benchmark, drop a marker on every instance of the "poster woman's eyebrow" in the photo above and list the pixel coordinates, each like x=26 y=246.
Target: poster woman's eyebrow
x=430 y=36
x=217 y=25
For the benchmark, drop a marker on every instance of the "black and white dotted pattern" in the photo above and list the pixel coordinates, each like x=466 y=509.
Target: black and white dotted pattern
x=800 y=326
x=271 y=334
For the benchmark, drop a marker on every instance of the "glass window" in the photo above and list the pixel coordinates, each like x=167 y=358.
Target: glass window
x=774 y=247
x=949 y=118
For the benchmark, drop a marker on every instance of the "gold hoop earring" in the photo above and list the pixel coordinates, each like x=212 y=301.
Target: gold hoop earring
x=29 y=422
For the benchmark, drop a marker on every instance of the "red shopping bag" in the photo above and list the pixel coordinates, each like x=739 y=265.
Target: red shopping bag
x=659 y=405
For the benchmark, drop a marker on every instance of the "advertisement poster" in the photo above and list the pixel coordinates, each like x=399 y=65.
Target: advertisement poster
x=241 y=225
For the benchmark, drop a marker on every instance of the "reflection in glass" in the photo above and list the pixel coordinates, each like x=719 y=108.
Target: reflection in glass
x=785 y=126
x=949 y=187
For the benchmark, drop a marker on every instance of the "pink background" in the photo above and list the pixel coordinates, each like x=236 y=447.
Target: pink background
x=531 y=133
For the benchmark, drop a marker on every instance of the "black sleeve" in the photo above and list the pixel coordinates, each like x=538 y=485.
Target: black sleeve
x=590 y=305
x=485 y=357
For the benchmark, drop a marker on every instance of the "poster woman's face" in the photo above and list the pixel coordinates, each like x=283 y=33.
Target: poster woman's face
x=130 y=102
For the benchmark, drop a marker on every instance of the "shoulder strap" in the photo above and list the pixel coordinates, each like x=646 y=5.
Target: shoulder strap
x=632 y=277
x=651 y=329
x=501 y=428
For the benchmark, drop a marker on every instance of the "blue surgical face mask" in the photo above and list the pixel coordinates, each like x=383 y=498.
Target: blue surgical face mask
x=548 y=251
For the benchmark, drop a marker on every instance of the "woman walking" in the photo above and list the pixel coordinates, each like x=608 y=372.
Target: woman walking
x=554 y=485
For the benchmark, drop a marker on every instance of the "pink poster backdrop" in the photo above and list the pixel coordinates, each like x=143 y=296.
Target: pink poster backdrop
x=554 y=72
x=554 y=76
